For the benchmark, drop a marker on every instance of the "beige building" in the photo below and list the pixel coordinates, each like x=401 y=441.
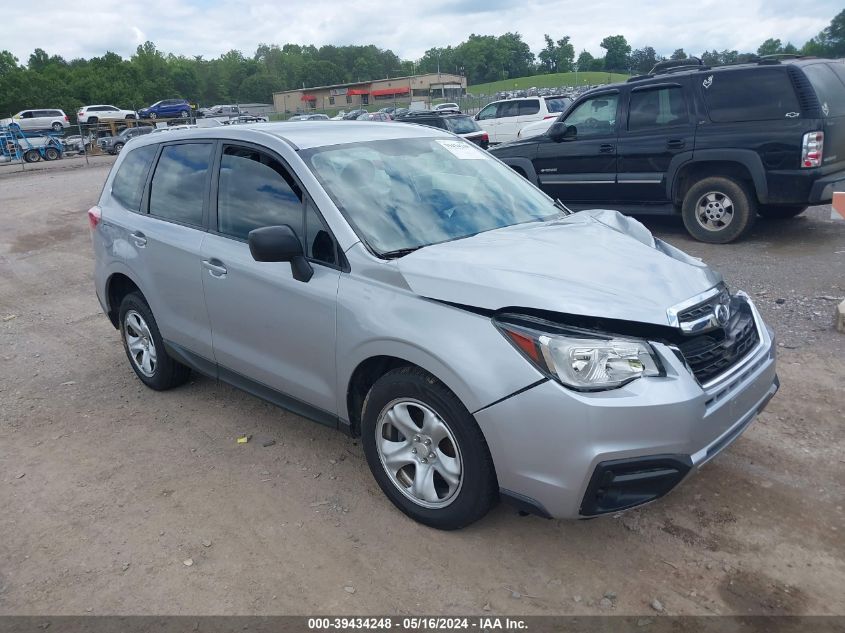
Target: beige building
x=372 y=94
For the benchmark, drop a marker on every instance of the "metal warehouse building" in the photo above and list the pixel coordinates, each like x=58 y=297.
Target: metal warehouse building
x=381 y=92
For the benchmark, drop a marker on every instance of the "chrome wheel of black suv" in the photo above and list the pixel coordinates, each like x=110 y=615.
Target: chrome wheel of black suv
x=718 y=210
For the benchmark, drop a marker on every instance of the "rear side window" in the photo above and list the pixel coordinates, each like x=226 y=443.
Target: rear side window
x=558 y=105
x=128 y=184
x=461 y=125
x=759 y=94
x=177 y=192
x=255 y=190
x=656 y=108
x=527 y=108
x=829 y=88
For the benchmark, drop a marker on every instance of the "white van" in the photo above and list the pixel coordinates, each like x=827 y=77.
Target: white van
x=504 y=119
x=53 y=119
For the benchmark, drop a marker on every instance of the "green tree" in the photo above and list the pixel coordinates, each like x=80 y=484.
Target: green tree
x=771 y=46
x=643 y=59
x=618 y=49
x=678 y=54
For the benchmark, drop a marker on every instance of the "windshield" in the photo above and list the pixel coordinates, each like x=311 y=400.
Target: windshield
x=462 y=125
x=408 y=193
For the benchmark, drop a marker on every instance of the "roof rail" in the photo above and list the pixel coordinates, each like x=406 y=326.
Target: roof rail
x=672 y=65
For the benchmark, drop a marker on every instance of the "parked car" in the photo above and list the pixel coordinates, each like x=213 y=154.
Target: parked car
x=389 y=110
x=542 y=126
x=167 y=108
x=374 y=116
x=504 y=119
x=339 y=116
x=447 y=107
x=114 y=144
x=403 y=286
x=244 y=119
x=35 y=120
x=95 y=113
x=461 y=124
x=400 y=112
x=352 y=115
x=716 y=145
x=309 y=117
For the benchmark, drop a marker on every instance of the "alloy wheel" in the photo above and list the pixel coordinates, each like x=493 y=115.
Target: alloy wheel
x=419 y=453
x=139 y=341
x=714 y=211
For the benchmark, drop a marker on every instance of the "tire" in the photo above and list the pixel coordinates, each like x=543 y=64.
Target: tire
x=779 y=213
x=429 y=412
x=131 y=117
x=718 y=210
x=117 y=147
x=157 y=370
x=51 y=153
x=57 y=127
x=31 y=156
x=92 y=120
x=184 y=114
x=153 y=115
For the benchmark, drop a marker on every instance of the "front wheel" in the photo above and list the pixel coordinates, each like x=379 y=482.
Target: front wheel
x=145 y=348
x=51 y=153
x=718 y=210
x=426 y=451
x=184 y=114
x=32 y=156
x=117 y=147
x=780 y=213
x=153 y=115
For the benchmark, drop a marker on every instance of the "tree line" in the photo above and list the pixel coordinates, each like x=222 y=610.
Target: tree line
x=150 y=74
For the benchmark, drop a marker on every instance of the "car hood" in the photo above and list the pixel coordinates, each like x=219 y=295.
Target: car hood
x=592 y=263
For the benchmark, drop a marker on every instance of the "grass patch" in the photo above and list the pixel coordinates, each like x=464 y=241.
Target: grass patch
x=555 y=80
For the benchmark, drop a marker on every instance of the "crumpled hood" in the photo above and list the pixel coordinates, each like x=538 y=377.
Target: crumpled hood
x=593 y=263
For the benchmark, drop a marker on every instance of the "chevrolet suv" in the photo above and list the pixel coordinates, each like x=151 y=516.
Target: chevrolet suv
x=718 y=146
x=404 y=286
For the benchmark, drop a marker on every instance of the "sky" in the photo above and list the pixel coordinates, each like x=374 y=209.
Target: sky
x=212 y=27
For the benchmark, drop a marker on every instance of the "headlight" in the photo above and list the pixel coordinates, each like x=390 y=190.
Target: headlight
x=582 y=359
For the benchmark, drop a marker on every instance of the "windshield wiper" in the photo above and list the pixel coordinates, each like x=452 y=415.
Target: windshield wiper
x=400 y=252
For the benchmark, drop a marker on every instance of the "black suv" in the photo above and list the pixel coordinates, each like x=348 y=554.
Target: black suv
x=461 y=124
x=718 y=145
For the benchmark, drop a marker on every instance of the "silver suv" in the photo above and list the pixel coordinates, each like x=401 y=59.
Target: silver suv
x=402 y=285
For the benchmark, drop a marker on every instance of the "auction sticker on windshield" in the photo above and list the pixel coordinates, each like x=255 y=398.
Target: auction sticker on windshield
x=462 y=150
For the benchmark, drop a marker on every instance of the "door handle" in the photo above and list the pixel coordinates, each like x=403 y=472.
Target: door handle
x=215 y=267
x=675 y=143
x=139 y=238
x=607 y=148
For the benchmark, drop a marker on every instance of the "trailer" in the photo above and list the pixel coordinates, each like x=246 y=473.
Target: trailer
x=29 y=147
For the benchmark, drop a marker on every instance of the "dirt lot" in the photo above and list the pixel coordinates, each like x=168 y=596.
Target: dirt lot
x=107 y=488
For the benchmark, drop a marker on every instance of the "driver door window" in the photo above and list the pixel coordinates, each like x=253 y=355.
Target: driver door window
x=595 y=117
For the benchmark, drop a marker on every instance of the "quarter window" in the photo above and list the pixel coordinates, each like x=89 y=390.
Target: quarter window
x=829 y=88
x=255 y=190
x=656 y=108
x=128 y=185
x=179 y=183
x=319 y=244
x=594 y=117
x=761 y=94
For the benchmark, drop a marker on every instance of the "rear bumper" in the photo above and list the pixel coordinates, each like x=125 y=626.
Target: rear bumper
x=823 y=188
x=803 y=187
x=567 y=454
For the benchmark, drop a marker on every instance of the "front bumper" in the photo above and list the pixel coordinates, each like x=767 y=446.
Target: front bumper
x=553 y=447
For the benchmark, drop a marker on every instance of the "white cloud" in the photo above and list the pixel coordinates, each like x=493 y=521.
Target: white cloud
x=211 y=27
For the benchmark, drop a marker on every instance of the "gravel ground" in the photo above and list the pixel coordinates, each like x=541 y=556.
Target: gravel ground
x=116 y=499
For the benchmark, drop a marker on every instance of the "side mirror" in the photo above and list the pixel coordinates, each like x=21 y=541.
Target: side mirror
x=562 y=132
x=280 y=244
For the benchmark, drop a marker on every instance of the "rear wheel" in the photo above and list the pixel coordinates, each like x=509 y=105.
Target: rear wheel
x=145 y=348
x=51 y=153
x=779 y=213
x=31 y=156
x=718 y=210
x=426 y=451
x=117 y=147
x=57 y=127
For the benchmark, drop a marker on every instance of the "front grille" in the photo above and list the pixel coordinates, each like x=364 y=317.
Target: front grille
x=713 y=353
x=695 y=313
